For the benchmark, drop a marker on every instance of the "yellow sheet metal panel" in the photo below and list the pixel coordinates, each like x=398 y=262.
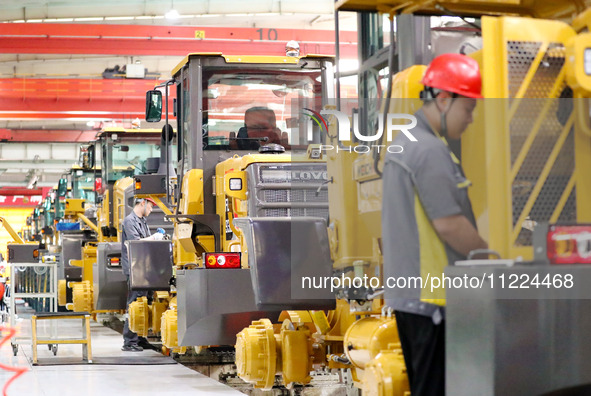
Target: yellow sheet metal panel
x=582 y=179
x=119 y=203
x=576 y=73
x=350 y=238
x=282 y=158
x=258 y=59
x=74 y=206
x=186 y=59
x=550 y=9
x=21 y=215
x=407 y=84
x=582 y=21
x=191 y=201
x=535 y=30
x=261 y=59
x=525 y=146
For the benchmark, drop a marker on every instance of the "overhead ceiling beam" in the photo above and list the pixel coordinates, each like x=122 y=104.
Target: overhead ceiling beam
x=49 y=38
x=58 y=165
x=75 y=99
x=20 y=191
x=49 y=136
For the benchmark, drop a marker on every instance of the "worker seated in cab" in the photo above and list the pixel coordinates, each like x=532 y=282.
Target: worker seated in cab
x=260 y=128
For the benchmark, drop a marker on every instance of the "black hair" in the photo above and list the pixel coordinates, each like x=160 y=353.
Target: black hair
x=429 y=94
x=138 y=201
x=261 y=109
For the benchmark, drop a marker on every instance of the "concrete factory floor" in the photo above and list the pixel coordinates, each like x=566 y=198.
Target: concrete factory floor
x=112 y=372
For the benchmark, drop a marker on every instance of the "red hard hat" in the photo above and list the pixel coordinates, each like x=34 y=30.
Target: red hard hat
x=151 y=201
x=455 y=73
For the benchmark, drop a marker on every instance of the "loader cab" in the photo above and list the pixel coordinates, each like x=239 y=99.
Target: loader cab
x=213 y=93
x=83 y=182
x=83 y=176
x=125 y=153
x=60 y=198
x=212 y=117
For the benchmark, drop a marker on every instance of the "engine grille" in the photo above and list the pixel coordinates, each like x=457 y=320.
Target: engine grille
x=287 y=190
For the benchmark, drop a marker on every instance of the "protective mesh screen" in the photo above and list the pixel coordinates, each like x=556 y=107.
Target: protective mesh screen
x=552 y=117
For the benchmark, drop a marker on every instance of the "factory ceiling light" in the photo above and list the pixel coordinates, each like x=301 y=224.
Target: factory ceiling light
x=172 y=14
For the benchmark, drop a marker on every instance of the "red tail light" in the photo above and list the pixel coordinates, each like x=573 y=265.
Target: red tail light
x=569 y=244
x=114 y=261
x=222 y=260
x=98 y=185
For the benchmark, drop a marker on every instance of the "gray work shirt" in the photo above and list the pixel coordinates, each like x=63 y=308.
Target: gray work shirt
x=132 y=229
x=422 y=183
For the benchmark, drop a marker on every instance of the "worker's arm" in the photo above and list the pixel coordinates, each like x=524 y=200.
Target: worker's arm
x=133 y=231
x=157 y=236
x=459 y=233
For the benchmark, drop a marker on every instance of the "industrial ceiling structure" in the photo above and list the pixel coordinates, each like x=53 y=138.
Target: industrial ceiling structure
x=63 y=64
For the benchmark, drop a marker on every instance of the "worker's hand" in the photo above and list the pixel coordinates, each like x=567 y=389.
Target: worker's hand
x=160 y=230
x=158 y=236
x=155 y=237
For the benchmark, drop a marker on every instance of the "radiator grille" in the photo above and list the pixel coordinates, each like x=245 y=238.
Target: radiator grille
x=288 y=190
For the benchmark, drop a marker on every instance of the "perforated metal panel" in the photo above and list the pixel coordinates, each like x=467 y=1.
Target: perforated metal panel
x=520 y=55
x=541 y=115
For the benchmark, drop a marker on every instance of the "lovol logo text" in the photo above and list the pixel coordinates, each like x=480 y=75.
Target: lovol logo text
x=309 y=175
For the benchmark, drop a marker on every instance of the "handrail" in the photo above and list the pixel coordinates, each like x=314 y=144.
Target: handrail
x=89 y=223
x=11 y=231
x=582 y=113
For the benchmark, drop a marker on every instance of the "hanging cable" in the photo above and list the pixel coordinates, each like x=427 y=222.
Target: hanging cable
x=376 y=153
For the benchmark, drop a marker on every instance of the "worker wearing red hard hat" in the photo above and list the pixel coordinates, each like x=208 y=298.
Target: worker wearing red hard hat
x=151 y=201
x=427 y=218
x=449 y=77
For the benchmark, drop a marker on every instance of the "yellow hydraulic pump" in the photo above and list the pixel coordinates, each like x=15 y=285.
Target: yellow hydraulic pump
x=62 y=298
x=386 y=375
x=139 y=316
x=169 y=328
x=82 y=296
x=372 y=345
x=261 y=353
x=293 y=348
x=143 y=317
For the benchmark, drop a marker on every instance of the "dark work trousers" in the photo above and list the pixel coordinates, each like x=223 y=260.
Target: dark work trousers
x=129 y=337
x=423 y=346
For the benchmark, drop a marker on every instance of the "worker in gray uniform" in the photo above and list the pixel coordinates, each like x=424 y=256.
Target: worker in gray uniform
x=134 y=228
x=427 y=218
